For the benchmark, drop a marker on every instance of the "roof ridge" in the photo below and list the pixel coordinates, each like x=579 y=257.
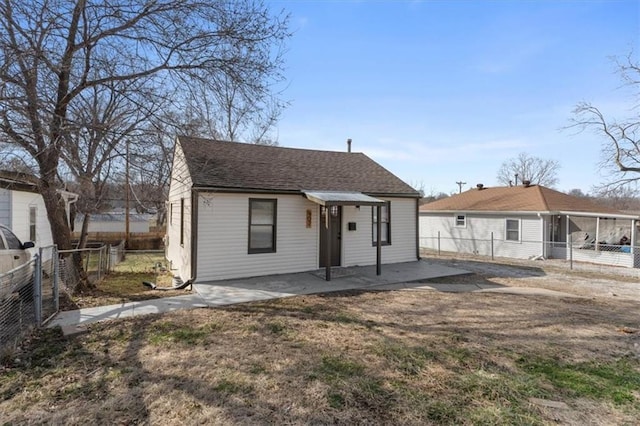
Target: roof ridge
x=179 y=137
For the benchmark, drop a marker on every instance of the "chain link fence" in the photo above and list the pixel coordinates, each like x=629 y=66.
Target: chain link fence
x=28 y=296
x=91 y=263
x=577 y=254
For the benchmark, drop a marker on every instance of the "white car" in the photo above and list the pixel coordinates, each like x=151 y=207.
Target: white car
x=13 y=253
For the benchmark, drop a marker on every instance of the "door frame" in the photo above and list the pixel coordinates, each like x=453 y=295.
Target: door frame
x=335 y=241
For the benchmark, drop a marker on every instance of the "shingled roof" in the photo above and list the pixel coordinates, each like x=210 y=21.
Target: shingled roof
x=534 y=198
x=241 y=166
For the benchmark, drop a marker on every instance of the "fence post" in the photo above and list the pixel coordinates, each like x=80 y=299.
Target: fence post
x=570 y=255
x=492 y=245
x=438 y=243
x=55 y=258
x=37 y=287
x=99 y=263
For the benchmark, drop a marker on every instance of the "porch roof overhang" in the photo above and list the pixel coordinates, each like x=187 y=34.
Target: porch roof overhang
x=341 y=198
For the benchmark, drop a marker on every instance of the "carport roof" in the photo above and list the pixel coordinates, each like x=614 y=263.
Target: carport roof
x=334 y=198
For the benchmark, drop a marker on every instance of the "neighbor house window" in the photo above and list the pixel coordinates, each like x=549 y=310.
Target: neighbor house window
x=262 y=225
x=182 y=221
x=461 y=221
x=32 y=224
x=385 y=224
x=513 y=230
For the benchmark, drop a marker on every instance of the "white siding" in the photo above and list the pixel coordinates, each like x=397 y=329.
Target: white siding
x=223 y=229
x=476 y=236
x=21 y=201
x=5 y=207
x=357 y=246
x=179 y=189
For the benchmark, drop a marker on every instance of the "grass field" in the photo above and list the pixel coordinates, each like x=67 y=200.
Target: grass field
x=402 y=357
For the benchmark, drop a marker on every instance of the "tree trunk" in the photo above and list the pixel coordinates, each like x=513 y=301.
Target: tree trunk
x=84 y=232
x=56 y=212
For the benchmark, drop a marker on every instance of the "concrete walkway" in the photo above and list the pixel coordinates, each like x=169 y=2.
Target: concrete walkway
x=220 y=293
x=410 y=275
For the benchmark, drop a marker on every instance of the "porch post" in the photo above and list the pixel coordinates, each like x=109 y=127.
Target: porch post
x=568 y=236
x=327 y=224
x=379 y=240
x=598 y=234
x=633 y=237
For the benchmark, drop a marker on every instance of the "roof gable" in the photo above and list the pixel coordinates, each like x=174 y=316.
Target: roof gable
x=242 y=166
x=533 y=198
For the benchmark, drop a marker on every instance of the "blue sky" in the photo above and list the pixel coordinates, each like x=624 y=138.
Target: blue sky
x=445 y=91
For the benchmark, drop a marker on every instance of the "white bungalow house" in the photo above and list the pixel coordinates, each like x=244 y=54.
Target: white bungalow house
x=529 y=221
x=240 y=210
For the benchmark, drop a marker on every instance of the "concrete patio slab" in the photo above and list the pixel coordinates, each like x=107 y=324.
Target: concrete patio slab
x=220 y=293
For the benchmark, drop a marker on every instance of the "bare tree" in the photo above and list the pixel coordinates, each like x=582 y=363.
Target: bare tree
x=55 y=54
x=524 y=167
x=621 y=138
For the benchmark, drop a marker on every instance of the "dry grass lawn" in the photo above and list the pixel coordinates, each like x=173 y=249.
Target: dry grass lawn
x=400 y=357
x=124 y=283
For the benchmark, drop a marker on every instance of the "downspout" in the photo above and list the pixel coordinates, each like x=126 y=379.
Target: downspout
x=194 y=235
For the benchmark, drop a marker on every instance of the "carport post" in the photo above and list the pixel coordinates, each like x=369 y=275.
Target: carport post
x=327 y=225
x=570 y=255
x=379 y=240
x=492 y=245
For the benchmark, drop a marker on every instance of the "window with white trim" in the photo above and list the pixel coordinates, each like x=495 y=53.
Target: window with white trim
x=512 y=230
x=461 y=221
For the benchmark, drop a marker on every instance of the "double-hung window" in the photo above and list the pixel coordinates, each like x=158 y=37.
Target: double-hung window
x=385 y=230
x=32 y=223
x=262 y=225
x=512 y=230
x=461 y=221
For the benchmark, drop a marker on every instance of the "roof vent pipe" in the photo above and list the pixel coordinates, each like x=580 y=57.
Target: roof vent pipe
x=526 y=183
x=349 y=145
x=480 y=186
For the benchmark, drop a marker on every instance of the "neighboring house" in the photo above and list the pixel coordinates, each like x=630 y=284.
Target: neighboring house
x=114 y=222
x=239 y=210
x=529 y=221
x=22 y=208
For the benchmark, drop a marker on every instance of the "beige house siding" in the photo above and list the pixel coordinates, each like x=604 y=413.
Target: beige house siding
x=179 y=255
x=223 y=237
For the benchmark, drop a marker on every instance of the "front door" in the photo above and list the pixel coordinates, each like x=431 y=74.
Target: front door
x=335 y=216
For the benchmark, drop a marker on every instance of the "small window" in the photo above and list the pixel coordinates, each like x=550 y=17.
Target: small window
x=461 y=221
x=513 y=230
x=385 y=224
x=182 y=221
x=262 y=225
x=32 y=223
